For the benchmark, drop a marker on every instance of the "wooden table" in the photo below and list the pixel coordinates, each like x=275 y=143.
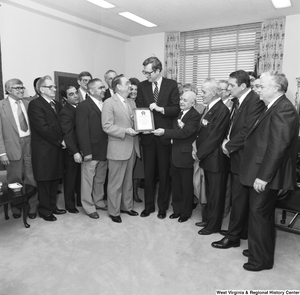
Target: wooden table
x=18 y=199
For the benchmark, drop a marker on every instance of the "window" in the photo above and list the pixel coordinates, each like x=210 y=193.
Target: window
x=215 y=53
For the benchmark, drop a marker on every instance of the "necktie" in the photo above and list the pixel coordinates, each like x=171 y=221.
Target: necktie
x=205 y=111
x=155 y=94
x=235 y=108
x=21 y=117
x=180 y=115
x=52 y=104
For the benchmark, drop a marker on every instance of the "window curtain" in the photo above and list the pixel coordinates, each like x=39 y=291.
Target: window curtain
x=271 y=45
x=172 y=42
x=1 y=81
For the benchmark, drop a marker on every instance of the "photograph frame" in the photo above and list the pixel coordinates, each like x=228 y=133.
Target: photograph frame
x=145 y=125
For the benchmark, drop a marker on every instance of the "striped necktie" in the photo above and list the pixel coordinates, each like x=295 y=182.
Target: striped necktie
x=155 y=94
x=52 y=104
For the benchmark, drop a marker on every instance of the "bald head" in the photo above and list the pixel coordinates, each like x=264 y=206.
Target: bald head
x=187 y=100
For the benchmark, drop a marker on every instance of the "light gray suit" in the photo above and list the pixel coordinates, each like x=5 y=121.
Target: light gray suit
x=121 y=153
x=17 y=149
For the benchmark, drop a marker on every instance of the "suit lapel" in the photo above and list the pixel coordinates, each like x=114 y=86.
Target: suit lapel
x=121 y=106
x=241 y=107
x=265 y=114
x=10 y=115
x=93 y=105
x=209 y=114
x=163 y=88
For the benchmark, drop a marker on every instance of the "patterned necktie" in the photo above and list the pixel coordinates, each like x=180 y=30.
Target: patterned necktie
x=155 y=94
x=205 y=111
x=21 y=117
x=52 y=104
x=235 y=109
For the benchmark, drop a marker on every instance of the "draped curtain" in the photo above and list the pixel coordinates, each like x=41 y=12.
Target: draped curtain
x=172 y=42
x=271 y=45
x=1 y=81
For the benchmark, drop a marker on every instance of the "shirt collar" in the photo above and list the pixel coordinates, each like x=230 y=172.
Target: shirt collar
x=213 y=103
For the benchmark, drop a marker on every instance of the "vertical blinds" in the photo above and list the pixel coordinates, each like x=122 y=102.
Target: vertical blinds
x=215 y=53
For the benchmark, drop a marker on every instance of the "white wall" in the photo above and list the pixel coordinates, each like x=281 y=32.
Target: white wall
x=291 y=55
x=34 y=45
x=139 y=49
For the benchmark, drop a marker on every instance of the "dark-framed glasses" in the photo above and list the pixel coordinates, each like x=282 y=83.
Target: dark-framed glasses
x=147 y=73
x=18 y=88
x=51 y=87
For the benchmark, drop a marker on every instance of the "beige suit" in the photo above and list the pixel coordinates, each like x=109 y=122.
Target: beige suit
x=17 y=149
x=121 y=153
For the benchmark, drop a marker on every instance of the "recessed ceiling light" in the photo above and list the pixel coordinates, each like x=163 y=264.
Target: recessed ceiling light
x=137 y=19
x=281 y=3
x=102 y=3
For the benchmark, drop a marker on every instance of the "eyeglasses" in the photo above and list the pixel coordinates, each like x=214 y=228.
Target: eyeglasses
x=85 y=80
x=18 y=88
x=72 y=93
x=147 y=73
x=224 y=89
x=102 y=87
x=51 y=87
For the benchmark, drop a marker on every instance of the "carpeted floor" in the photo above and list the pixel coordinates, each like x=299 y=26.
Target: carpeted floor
x=141 y=256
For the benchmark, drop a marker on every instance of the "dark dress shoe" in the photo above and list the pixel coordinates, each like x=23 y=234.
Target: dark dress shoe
x=161 y=214
x=174 y=216
x=223 y=232
x=252 y=267
x=59 y=211
x=93 y=215
x=146 y=213
x=131 y=212
x=15 y=215
x=32 y=215
x=204 y=232
x=201 y=223
x=226 y=244
x=73 y=210
x=116 y=218
x=50 y=217
x=183 y=219
x=246 y=253
x=102 y=208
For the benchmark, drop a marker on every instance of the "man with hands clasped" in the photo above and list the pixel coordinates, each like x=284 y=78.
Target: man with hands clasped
x=183 y=135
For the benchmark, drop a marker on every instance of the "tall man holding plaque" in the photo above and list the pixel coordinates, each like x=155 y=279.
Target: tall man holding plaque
x=123 y=146
x=161 y=96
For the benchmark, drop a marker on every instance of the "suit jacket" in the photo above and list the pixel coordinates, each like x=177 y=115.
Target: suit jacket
x=115 y=120
x=46 y=139
x=168 y=99
x=68 y=127
x=245 y=118
x=183 y=139
x=9 y=134
x=271 y=147
x=213 y=127
x=107 y=94
x=91 y=137
x=81 y=98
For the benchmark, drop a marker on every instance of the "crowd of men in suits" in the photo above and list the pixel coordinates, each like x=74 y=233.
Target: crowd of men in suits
x=247 y=137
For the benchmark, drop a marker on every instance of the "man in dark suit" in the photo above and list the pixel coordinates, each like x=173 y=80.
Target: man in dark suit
x=108 y=77
x=123 y=147
x=72 y=155
x=47 y=144
x=245 y=111
x=161 y=96
x=268 y=165
x=182 y=166
x=213 y=127
x=83 y=79
x=15 y=149
x=93 y=145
